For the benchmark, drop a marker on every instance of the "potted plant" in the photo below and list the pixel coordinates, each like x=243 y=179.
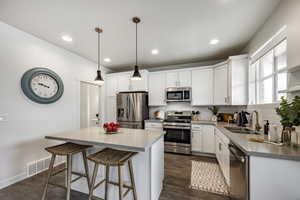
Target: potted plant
x=290 y=116
x=214 y=110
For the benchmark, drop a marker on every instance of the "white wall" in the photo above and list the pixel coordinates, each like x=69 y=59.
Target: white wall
x=22 y=135
x=287 y=13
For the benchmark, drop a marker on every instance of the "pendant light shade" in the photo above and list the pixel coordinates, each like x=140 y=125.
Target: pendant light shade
x=99 y=79
x=136 y=74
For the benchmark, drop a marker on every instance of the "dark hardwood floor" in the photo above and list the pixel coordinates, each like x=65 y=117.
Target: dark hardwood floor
x=178 y=177
x=176 y=185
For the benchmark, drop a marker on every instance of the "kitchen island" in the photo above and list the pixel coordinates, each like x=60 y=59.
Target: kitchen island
x=148 y=164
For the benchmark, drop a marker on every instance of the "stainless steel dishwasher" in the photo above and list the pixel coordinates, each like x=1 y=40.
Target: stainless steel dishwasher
x=239 y=174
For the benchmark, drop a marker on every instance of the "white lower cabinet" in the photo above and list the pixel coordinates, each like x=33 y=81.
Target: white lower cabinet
x=223 y=154
x=153 y=125
x=196 y=141
x=203 y=139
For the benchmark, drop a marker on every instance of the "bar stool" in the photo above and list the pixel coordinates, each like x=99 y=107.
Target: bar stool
x=68 y=150
x=112 y=158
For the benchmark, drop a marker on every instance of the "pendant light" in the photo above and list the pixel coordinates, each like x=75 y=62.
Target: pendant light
x=136 y=73
x=99 y=79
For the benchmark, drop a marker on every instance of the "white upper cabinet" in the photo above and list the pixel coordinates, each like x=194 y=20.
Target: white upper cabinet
x=172 y=79
x=178 y=78
x=202 y=87
x=124 y=82
x=238 y=76
x=185 y=78
x=157 y=82
x=121 y=82
x=140 y=85
x=230 y=81
x=221 y=85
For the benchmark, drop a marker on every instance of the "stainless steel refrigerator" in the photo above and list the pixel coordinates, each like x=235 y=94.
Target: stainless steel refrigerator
x=132 y=109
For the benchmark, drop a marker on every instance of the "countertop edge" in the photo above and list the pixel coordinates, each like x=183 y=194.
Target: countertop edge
x=259 y=154
x=135 y=149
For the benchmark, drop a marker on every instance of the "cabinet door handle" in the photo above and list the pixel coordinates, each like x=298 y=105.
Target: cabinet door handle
x=220 y=146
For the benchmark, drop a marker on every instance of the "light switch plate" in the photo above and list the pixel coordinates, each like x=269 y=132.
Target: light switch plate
x=3 y=117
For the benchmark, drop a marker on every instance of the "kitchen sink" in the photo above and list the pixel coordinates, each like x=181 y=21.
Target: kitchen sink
x=241 y=130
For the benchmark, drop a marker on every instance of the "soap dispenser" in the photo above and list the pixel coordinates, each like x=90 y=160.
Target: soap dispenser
x=266 y=127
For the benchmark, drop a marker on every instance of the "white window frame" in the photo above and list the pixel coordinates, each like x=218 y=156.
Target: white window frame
x=255 y=59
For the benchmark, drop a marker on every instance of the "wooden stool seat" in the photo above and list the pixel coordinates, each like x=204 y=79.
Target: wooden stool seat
x=67 y=149
x=111 y=157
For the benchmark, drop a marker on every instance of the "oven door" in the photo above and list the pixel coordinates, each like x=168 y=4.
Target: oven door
x=177 y=139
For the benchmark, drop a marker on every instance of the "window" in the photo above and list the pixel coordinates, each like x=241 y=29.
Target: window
x=268 y=76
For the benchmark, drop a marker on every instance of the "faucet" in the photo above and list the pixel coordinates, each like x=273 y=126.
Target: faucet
x=257 y=125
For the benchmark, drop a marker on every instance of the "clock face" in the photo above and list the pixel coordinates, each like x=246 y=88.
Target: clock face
x=44 y=86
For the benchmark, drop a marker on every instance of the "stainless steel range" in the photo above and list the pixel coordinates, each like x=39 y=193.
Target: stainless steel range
x=177 y=126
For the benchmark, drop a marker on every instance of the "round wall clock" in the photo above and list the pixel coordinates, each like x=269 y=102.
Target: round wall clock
x=42 y=85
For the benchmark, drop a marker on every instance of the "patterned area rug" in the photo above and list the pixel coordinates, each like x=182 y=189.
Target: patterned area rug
x=208 y=177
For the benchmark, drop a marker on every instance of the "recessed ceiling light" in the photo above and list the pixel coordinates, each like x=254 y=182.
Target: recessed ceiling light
x=107 y=60
x=154 y=51
x=214 y=41
x=67 y=38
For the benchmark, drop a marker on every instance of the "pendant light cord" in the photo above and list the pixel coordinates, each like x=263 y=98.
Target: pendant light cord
x=136 y=45
x=98 y=51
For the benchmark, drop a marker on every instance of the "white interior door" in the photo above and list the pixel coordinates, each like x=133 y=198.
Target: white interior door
x=89 y=105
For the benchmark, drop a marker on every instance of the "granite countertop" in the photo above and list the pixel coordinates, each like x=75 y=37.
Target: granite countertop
x=255 y=148
x=138 y=140
x=260 y=149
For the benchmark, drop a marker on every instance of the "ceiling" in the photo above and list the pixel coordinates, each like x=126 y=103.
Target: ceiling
x=180 y=29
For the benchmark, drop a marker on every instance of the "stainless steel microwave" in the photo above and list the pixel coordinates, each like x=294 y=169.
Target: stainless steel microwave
x=183 y=94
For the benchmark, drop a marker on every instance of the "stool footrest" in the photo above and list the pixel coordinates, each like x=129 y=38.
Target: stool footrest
x=79 y=174
x=127 y=191
x=58 y=171
x=117 y=184
x=96 y=198
x=99 y=183
x=57 y=185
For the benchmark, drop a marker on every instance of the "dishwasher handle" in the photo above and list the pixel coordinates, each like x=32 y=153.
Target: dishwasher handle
x=234 y=152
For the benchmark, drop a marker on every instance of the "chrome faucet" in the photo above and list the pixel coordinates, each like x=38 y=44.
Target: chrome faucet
x=257 y=125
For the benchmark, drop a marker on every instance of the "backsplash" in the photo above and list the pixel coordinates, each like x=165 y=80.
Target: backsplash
x=205 y=114
x=265 y=112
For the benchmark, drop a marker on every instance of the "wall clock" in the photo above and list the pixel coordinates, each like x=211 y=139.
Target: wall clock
x=42 y=85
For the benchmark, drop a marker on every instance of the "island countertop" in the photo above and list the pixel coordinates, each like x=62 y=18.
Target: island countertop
x=138 y=140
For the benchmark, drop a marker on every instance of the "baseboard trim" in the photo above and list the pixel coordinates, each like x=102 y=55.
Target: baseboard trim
x=12 y=180
x=20 y=177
